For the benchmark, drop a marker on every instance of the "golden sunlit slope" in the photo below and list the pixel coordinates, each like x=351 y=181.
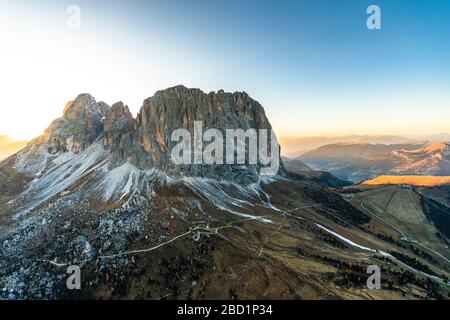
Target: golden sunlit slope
x=9 y=146
x=422 y=181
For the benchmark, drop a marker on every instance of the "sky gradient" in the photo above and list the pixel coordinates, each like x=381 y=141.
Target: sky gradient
x=313 y=65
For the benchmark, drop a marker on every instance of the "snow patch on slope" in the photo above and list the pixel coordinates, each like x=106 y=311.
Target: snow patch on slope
x=380 y=252
x=32 y=161
x=62 y=176
x=235 y=196
x=119 y=181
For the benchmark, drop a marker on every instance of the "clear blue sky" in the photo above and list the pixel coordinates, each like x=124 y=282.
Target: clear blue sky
x=313 y=64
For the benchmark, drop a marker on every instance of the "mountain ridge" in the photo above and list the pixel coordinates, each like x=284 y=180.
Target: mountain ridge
x=145 y=141
x=359 y=162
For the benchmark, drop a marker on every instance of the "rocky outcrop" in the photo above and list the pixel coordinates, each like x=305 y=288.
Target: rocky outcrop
x=146 y=142
x=177 y=108
x=80 y=125
x=118 y=123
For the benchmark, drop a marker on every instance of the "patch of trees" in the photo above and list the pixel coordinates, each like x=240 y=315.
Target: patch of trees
x=443 y=238
x=438 y=214
x=322 y=178
x=415 y=250
x=386 y=238
x=348 y=274
x=335 y=202
x=329 y=238
x=423 y=254
x=350 y=191
x=406 y=277
x=414 y=263
x=187 y=267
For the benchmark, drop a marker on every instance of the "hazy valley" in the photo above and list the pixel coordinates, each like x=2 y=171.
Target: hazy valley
x=356 y=162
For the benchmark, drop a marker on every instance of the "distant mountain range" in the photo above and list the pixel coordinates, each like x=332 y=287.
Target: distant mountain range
x=444 y=137
x=357 y=162
x=295 y=146
x=302 y=171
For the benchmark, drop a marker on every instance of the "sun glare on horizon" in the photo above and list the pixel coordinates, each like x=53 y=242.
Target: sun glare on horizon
x=316 y=88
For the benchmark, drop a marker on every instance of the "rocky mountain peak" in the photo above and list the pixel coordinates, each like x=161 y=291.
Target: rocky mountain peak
x=147 y=143
x=118 y=123
x=178 y=108
x=80 y=125
x=220 y=109
x=84 y=106
x=117 y=117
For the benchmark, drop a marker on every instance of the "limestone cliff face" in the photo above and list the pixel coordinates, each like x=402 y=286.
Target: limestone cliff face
x=179 y=107
x=118 y=123
x=146 y=141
